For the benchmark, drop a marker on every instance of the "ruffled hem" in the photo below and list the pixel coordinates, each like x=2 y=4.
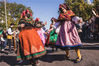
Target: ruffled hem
x=69 y=46
x=27 y=57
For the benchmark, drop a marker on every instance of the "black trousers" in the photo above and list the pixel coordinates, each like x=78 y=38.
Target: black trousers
x=9 y=44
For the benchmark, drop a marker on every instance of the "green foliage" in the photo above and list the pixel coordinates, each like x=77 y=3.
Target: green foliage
x=2 y=25
x=80 y=8
x=96 y=2
x=14 y=11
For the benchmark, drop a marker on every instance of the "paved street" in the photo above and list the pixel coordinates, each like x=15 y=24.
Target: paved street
x=90 y=54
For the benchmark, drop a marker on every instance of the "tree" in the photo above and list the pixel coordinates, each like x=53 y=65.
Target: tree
x=80 y=8
x=14 y=11
x=96 y=2
x=96 y=5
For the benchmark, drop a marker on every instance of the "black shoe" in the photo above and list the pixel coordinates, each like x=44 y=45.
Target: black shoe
x=78 y=60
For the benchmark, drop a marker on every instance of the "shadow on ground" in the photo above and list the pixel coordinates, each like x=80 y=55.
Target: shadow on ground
x=11 y=60
x=88 y=47
x=55 y=57
x=49 y=57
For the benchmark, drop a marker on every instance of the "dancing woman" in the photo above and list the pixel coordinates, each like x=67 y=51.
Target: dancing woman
x=68 y=36
x=30 y=45
x=39 y=27
x=52 y=37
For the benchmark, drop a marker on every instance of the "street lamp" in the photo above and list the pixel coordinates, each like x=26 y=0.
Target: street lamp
x=5 y=14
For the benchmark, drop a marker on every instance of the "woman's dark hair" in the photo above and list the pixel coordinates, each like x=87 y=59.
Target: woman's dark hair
x=60 y=10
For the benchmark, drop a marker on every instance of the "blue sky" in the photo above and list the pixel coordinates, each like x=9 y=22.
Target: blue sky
x=43 y=9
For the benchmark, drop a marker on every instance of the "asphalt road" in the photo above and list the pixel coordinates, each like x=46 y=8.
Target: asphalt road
x=90 y=55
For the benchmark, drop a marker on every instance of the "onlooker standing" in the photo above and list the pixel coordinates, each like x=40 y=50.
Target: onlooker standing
x=1 y=38
x=80 y=23
x=9 y=36
x=84 y=30
x=4 y=37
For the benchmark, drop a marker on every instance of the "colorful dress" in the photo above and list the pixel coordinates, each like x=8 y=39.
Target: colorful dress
x=30 y=45
x=52 y=38
x=41 y=34
x=68 y=36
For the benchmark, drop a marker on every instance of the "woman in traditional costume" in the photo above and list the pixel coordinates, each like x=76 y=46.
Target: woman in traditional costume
x=39 y=27
x=30 y=45
x=68 y=36
x=52 y=37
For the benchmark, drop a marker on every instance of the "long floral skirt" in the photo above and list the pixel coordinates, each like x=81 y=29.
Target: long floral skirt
x=30 y=45
x=68 y=36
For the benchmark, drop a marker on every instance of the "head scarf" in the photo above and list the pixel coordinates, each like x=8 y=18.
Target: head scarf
x=63 y=6
x=25 y=19
x=37 y=19
x=28 y=12
x=68 y=14
x=23 y=14
x=38 y=23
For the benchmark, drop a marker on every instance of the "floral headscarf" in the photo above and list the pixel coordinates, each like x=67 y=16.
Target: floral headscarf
x=24 y=13
x=67 y=15
x=63 y=6
x=37 y=19
x=25 y=19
